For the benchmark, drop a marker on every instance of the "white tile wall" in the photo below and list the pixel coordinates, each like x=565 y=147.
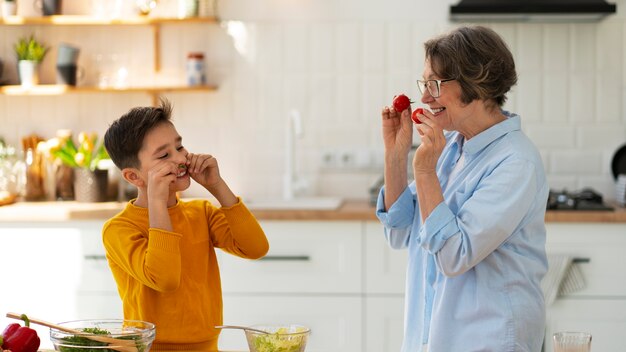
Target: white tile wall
x=338 y=63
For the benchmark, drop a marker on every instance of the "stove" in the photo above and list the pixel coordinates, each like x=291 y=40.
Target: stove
x=585 y=199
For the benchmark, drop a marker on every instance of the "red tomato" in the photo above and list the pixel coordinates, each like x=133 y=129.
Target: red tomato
x=401 y=102
x=418 y=111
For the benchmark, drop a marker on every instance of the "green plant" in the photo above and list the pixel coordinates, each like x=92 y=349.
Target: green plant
x=30 y=49
x=86 y=155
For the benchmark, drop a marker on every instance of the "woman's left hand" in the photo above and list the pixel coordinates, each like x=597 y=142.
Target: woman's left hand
x=431 y=147
x=203 y=169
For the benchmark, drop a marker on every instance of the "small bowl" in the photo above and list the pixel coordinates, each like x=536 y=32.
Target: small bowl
x=142 y=332
x=287 y=338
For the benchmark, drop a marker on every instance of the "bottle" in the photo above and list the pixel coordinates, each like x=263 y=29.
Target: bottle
x=195 y=69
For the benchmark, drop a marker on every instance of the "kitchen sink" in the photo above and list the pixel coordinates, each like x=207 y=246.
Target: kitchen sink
x=305 y=203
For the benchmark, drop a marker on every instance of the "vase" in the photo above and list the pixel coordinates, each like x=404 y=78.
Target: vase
x=90 y=186
x=29 y=73
x=9 y=8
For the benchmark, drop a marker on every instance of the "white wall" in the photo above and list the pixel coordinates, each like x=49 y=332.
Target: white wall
x=339 y=63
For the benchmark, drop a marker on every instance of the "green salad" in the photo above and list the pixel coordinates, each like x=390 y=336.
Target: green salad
x=83 y=344
x=281 y=341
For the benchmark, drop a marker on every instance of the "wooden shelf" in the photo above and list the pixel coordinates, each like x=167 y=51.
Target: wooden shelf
x=74 y=20
x=56 y=89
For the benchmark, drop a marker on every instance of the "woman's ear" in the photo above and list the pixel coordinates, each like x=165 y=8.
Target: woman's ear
x=132 y=176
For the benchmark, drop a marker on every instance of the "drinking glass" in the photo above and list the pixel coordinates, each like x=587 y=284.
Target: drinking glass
x=570 y=341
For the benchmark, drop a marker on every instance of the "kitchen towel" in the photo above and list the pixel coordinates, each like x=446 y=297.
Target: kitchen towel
x=563 y=277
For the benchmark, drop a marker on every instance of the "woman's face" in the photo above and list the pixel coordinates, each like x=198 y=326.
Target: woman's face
x=450 y=112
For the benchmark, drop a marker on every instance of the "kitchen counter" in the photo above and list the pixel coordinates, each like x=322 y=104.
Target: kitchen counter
x=350 y=210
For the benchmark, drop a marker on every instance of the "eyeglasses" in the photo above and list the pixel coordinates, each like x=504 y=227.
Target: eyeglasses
x=432 y=85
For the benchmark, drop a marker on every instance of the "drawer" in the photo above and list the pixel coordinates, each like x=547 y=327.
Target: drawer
x=335 y=322
x=601 y=248
x=304 y=257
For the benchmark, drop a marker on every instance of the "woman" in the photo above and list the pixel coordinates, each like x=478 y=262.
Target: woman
x=473 y=217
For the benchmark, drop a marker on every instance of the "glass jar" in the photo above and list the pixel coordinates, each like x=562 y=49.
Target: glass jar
x=196 y=75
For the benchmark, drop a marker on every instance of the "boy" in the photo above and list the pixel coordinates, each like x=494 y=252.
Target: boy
x=160 y=248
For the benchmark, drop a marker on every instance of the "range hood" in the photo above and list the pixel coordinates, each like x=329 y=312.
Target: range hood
x=531 y=10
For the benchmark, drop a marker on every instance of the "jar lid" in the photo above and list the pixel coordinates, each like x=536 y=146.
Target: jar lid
x=195 y=55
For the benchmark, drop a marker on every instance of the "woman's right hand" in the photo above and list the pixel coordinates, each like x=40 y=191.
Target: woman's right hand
x=397 y=132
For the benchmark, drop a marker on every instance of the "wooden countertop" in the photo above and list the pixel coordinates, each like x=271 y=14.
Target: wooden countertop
x=350 y=210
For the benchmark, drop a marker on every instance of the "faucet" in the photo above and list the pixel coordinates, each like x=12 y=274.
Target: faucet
x=292 y=184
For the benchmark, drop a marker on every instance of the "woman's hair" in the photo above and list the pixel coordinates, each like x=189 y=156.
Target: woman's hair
x=124 y=138
x=478 y=58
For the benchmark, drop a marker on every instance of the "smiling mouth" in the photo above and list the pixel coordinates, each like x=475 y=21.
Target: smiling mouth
x=182 y=173
x=438 y=110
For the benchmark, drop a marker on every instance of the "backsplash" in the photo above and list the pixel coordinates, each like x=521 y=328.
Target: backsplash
x=338 y=63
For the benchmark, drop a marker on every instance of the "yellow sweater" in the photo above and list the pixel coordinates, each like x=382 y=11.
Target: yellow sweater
x=172 y=278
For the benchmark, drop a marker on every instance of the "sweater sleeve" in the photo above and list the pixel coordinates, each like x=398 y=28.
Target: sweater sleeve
x=153 y=258
x=235 y=230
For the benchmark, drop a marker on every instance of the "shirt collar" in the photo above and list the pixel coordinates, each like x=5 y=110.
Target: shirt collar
x=483 y=139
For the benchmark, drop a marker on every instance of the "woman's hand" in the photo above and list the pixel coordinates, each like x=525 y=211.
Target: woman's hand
x=432 y=143
x=397 y=131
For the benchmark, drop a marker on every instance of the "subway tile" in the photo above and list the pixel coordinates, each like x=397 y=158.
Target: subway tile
x=322 y=47
x=609 y=95
x=556 y=47
x=583 y=47
x=551 y=135
x=601 y=136
x=529 y=47
x=555 y=88
x=562 y=182
x=576 y=162
x=348 y=51
x=349 y=99
x=374 y=47
x=530 y=94
x=373 y=98
x=398 y=47
x=581 y=97
x=267 y=43
x=609 y=54
x=296 y=49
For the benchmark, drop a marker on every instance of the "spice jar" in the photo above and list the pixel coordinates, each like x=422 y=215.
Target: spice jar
x=195 y=69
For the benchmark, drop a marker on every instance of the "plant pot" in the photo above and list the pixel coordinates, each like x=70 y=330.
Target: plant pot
x=29 y=73
x=9 y=8
x=90 y=186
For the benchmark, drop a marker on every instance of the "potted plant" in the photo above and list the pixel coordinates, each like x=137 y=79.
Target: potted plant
x=30 y=53
x=9 y=8
x=90 y=182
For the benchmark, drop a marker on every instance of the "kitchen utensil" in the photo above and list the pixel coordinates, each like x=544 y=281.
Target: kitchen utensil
x=59 y=331
x=241 y=328
x=620 y=190
x=618 y=164
x=572 y=342
x=291 y=338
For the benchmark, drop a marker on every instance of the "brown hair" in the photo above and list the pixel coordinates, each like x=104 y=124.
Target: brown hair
x=478 y=58
x=124 y=138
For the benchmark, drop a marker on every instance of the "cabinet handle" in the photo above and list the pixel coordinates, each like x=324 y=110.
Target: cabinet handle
x=96 y=257
x=300 y=258
x=581 y=260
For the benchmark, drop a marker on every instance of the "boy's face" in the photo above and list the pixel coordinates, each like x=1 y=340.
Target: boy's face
x=164 y=144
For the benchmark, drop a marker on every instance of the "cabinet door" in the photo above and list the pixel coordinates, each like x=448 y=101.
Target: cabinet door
x=335 y=322
x=604 y=319
x=384 y=323
x=40 y=272
x=603 y=245
x=385 y=268
x=304 y=257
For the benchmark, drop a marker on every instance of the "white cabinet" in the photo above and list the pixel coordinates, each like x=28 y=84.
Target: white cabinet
x=385 y=270
x=43 y=273
x=599 y=308
x=312 y=275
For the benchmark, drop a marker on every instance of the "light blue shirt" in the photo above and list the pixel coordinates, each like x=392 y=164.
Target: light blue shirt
x=475 y=264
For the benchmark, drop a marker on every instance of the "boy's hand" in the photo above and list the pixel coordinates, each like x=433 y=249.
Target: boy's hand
x=203 y=169
x=160 y=177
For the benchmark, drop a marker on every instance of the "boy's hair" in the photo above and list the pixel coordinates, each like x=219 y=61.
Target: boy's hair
x=124 y=138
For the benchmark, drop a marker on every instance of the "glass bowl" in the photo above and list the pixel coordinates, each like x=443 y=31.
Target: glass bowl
x=94 y=334
x=284 y=338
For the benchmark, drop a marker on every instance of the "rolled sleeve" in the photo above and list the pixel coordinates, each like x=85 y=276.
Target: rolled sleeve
x=401 y=212
x=438 y=228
